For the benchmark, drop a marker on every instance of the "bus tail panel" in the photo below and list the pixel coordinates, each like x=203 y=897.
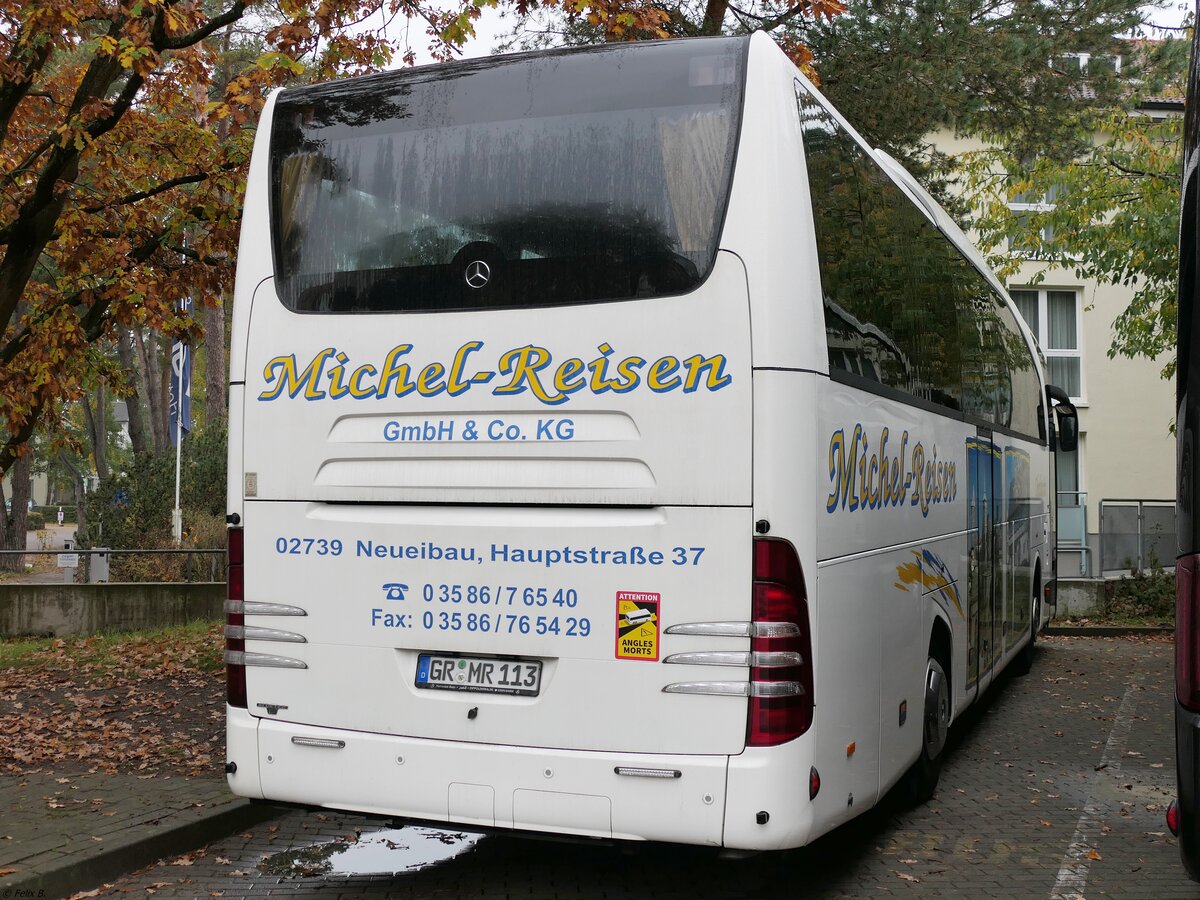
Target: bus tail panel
x=642 y=403
x=562 y=792
x=498 y=625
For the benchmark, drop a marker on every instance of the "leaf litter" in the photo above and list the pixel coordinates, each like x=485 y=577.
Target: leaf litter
x=148 y=704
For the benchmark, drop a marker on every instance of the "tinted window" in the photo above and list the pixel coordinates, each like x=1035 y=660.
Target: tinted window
x=1022 y=386
x=902 y=305
x=536 y=180
x=1000 y=384
x=889 y=298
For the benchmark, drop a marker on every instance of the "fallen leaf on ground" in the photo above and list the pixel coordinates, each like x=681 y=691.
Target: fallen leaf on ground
x=94 y=705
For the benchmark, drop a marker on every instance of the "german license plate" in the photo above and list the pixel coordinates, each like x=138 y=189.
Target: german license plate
x=481 y=674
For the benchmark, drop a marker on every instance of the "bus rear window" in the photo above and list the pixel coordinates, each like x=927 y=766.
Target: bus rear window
x=520 y=182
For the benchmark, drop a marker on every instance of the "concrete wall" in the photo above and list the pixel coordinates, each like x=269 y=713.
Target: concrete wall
x=1079 y=597
x=81 y=609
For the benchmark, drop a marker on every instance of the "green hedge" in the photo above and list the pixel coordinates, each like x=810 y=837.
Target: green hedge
x=50 y=513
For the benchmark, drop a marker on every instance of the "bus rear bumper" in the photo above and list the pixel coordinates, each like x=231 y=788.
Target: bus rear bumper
x=569 y=792
x=1187 y=768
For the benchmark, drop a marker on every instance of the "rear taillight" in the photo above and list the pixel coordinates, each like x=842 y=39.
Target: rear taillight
x=235 y=670
x=781 y=684
x=1187 y=632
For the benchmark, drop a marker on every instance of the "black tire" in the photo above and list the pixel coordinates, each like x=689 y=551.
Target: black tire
x=1023 y=662
x=921 y=780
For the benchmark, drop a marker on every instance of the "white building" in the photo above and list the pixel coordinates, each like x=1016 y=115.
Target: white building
x=1126 y=410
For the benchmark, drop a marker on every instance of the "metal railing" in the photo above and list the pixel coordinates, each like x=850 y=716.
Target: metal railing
x=1136 y=535
x=196 y=561
x=1071 y=523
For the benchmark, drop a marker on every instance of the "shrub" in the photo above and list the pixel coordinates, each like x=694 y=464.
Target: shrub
x=36 y=521
x=50 y=513
x=133 y=511
x=1148 y=594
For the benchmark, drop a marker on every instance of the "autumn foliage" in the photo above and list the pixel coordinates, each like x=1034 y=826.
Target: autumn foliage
x=124 y=142
x=125 y=134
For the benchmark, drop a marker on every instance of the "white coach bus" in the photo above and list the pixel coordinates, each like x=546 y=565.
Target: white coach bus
x=619 y=447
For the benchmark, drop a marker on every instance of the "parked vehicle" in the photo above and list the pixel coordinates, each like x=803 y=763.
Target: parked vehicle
x=1184 y=814
x=619 y=447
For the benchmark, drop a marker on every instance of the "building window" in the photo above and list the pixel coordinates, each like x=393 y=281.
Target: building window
x=1070 y=63
x=1025 y=205
x=1054 y=317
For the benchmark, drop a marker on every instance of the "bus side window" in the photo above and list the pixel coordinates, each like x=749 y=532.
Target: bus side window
x=885 y=277
x=902 y=303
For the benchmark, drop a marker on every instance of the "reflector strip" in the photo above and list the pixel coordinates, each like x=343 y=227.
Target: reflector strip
x=637 y=772
x=764 y=659
x=736 y=629
x=712 y=658
x=254 y=608
x=712 y=688
x=775 y=629
x=737 y=688
x=713 y=629
x=266 y=660
x=256 y=633
x=776 y=689
x=331 y=743
x=775 y=659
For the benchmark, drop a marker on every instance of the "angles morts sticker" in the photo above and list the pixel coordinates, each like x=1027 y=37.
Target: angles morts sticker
x=637 y=625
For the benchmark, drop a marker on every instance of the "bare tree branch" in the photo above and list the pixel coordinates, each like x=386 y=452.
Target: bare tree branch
x=228 y=17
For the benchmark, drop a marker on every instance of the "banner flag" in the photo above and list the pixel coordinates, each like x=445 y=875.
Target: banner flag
x=181 y=383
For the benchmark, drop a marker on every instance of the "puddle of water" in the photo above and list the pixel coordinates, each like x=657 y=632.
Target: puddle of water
x=389 y=852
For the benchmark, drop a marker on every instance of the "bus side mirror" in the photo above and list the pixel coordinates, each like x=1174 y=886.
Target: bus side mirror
x=1066 y=420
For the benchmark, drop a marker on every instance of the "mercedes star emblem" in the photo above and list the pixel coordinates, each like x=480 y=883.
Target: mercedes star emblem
x=478 y=274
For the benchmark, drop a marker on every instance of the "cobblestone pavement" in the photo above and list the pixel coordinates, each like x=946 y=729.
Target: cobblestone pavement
x=1056 y=787
x=55 y=830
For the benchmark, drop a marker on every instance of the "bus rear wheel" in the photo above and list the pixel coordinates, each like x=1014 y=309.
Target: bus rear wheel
x=1023 y=662
x=921 y=780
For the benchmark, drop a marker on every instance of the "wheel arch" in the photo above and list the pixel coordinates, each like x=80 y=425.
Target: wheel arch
x=941 y=644
x=1037 y=594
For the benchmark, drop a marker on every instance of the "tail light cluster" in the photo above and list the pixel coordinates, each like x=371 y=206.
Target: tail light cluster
x=781 y=674
x=1187 y=632
x=235 y=669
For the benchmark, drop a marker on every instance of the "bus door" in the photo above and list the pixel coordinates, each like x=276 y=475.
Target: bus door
x=983 y=632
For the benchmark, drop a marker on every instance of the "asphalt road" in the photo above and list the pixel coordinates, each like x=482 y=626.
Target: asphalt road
x=1056 y=786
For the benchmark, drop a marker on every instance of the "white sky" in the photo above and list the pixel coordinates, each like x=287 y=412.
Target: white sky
x=488 y=29
x=491 y=26
x=1170 y=15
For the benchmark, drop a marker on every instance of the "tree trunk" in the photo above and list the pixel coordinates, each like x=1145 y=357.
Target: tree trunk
x=214 y=364
x=714 y=17
x=14 y=525
x=133 y=403
x=97 y=426
x=163 y=353
x=148 y=372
